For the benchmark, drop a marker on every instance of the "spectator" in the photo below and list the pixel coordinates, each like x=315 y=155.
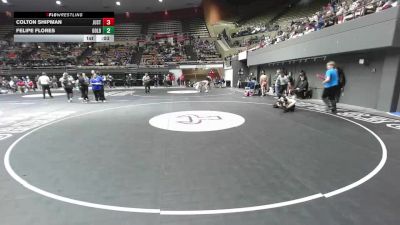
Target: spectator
x=342 y=83
x=182 y=78
x=156 y=80
x=386 y=5
x=54 y=82
x=30 y=84
x=128 y=80
x=21 y=86
x=291 y=83
x=302 y=86
x=110 y=81
x=264 y=84
x=277 y=82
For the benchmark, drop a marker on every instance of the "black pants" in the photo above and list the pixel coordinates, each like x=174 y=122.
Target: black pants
x=338 y=94
x=147 y=87
x=102 y=95
x=69 y=92
x=329 y=97
x=96 y=95
x=44 y=88
x=281 y=90
x=84 y=92
x=99 y=95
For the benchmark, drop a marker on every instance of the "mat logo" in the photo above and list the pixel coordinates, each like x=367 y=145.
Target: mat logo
x=197 y=121
x=19 y=123
x=4 y=136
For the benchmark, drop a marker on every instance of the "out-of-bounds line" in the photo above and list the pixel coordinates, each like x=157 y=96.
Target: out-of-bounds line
x=37 y=190
x=245 y=209
x=188 y=212
x=180 y=96
x=378 y=168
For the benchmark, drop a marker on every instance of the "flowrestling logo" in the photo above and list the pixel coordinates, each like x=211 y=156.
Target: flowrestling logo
x=197 y=121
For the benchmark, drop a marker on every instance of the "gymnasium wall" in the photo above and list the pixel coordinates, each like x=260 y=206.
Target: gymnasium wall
x=363 y=81
x=374 y=38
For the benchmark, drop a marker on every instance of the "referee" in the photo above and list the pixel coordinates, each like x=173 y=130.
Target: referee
x=44 y=81
x=331 y=85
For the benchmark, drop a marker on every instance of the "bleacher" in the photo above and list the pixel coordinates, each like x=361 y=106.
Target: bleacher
x=196 y=27
x=299 y=11
x=127 y=31
x=264 y=18
x=6 y=30
x=251 y=30
x=171 y=26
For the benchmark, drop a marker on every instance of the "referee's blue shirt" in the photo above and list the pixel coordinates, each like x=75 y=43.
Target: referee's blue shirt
x=333 y=76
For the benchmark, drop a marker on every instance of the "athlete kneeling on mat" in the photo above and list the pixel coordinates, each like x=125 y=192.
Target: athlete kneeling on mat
x=285 y=103
x=202 y=86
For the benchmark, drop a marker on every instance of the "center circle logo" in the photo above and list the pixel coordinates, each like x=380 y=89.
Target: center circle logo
x=197 y=121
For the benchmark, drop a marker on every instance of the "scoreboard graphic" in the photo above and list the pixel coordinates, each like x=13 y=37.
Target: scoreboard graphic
x=64 y=26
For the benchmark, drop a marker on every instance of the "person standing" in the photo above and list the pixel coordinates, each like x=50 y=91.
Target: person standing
x=110 y=80
x=54 y=82
x=67 y=82
x=283 y=84
x=103 y=82
x=128 y=80
x=278 y=85
x=342 y=83
x=155 y=80
x=291 y=84
x=97 y=84
x=146 y=82
x=44 y=82
x=168 y=82
x=37 y=83
x=83 y=83
x=264 y=84
x=182 y=78
x=277 y=82
x=331 y=84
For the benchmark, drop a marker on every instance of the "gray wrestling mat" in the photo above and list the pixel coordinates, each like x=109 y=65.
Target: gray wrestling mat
x=181 y=158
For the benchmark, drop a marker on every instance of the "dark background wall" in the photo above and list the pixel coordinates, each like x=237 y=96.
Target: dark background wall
x=363 y=81
x=236 y=66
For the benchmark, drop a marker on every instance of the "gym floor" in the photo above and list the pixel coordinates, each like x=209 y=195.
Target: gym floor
x=181 y=158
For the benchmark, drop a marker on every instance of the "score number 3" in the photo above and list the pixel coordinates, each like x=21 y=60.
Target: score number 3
x=108 y=21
